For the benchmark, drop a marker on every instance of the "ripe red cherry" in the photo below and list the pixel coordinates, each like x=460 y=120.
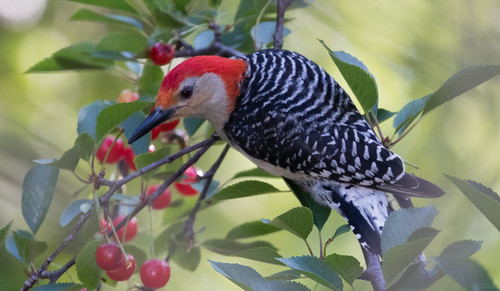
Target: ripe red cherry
x=127 y=96
x=125 y=271
x=162 y=128
x=184 y=186
x=108 y=256
x=161 y=53
x=128 y=156
x=185 y=189
x=163 y=201
x=103 y=226
x=131 y=228
x=115 y=153
x=155 y=273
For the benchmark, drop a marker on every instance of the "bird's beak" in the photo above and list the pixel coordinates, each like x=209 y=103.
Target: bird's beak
x=158 y=116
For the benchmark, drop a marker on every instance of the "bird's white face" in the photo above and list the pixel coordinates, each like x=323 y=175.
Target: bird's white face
x=203 y=97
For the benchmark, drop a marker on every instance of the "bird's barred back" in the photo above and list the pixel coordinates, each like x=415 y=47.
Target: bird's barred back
x=293 y=115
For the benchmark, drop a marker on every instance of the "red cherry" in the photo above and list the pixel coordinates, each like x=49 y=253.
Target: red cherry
x=162 y=128
x=108 y=256
x=191 y=174
x=125 y=271
x=115 y=153
x=103 y=226
x=127 y=96
x=155 y=273
x=163 y=201
x=128 y=156
x=161 y=53
x=131 y=228
x=185 y=189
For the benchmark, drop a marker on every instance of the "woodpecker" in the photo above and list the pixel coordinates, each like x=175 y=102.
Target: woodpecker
x=288 y=116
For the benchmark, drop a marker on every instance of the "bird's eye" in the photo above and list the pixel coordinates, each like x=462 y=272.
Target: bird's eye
x=186 y=92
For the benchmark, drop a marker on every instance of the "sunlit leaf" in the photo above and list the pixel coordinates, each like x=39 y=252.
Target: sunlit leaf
x=462 y=248
x=316 y=269
x=113 y=115
x=347 y=267
x=298 y=221
x=86 y=267
x=261 y=254
x=255 y=172
x=485 y=199
x=409 y=113
x=89 y=15
x=245 y=189
x=262 y=34
x=38 y=189
x=150 y=79
x=230 y=247
x=251 y=229
x=357 y=76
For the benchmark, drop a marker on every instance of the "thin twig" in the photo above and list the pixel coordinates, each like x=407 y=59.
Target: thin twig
x=188 y=226
x=53 y=276
x=113 y=187
x=280 y=23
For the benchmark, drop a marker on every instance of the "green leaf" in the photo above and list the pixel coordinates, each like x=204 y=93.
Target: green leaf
x=251 y=229
x=203 y=39
x=187 y=260
x=38 y=189
x=298 y=221
x=162 y=241
x=86 y=267
x=466 y=272
x=347 y=267
x=402 y=223
x=230 y=247
x=316 y=269
x=74 y=209
x=255 y=172
x=261 y=254
x=320 y=212
x=398 y=258
x=111 y=4
x=290 y=274
x=129 y=126
x=357 y=76
x=462 y=248
x=384 y=114
x=89 y=15
x=145 y=159
x=85 y=145
x=69 y=160
x=248 y=279
x=23 y=246
x=3 y=233
x=122 y=42
x=262 y=34
x=460 y=83
x=59 y=287
x=150 y=79
x=74 y=57
x=485 y=199
x=87 y=118
x=212 y=188
x=192 y=124
x=245 y=189
x=345 y=228
x=409 y=113
x=113 y=115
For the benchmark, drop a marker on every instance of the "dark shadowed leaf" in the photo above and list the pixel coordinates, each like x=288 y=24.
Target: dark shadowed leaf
x=251 y=229
x=286 y=275
x=485 y=199
x=113 y=115
x=298 y=221
x=316 y=269
x=248 y=279
x=74 y=209
x=261 y=254
x=402 y=223
x=460 y=83
x=59 y=287
x=86 y=267
x=85 y=145
x=3 y=233
x=357 y=76
x=192 y=124
x=112 y=4
x=345 y=228
x=245 y=189
x=466 y=272
x=129 y=126
x=347 y=267
x=230 y=247
x=255 y=172
x=320 y=212
x=87 y=118
x=384 y=114
x=23 y=246
x=38 y=189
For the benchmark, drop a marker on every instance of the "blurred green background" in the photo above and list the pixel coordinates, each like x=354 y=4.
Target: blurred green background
x=411 y=47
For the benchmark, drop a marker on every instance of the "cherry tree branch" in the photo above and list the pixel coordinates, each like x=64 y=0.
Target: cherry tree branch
x=113 y=187
x=373 y=272
x=280 y=23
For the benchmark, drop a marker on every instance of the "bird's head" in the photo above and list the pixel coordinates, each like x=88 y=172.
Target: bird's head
x=202 y=86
